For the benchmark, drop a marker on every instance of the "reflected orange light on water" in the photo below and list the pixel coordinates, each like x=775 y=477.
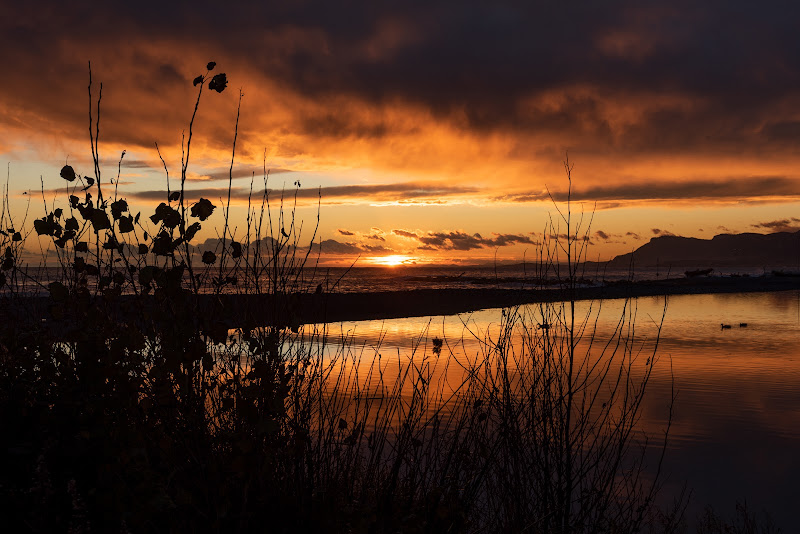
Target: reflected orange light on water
x=721 y=374
x=734 y=428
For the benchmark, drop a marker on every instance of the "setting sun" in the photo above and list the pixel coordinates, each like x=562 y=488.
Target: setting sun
x=393 y=260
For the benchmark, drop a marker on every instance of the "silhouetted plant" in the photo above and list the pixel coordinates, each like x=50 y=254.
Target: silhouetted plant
x=743 y=522
x=173 y=389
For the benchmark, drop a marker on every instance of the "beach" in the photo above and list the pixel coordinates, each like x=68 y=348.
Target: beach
x=333 y=307
x=295 y=309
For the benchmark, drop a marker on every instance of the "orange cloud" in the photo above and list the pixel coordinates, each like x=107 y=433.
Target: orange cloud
x=416 y=105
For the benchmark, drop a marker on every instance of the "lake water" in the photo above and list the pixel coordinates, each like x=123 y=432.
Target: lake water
x=735 y=432
x=399 y=278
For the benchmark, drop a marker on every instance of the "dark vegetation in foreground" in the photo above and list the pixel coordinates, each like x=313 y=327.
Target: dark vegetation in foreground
x=130 y=417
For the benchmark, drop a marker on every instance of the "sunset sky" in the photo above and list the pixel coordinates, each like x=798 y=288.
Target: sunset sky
x=433 y=131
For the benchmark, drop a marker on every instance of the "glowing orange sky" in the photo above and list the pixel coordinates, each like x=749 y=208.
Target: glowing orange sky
x=436 y=132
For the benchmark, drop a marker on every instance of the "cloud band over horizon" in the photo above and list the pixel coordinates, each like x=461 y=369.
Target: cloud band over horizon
x=421 y=104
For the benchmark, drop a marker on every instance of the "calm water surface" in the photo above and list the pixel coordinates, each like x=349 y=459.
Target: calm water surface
x=736 y=427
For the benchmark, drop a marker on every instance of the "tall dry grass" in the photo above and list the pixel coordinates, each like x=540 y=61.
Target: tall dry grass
x=132 y=402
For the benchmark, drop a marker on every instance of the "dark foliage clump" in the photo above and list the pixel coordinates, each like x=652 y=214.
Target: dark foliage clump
x=154 y=387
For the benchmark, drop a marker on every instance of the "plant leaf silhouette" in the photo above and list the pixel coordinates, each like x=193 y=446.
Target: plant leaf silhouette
x=162 y=244
x=45 y=226
x=169 y=216
x=126 y=224
x=117 y=208
x=147 y=274
x=100 y=220
x=68 y=173
x=218 y=83
x=202 y=209
x=191 y=231
x=58 y=291
x=8 y=261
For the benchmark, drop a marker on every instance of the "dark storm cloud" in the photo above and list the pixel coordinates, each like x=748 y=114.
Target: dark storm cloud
x=735 y=187
x=611 y=238
x=502 y=240
x=377 y=192
x=782 y=131
x=659 y=231
x=327 y=246
x=781 y=225
x=484 y=65
x=567 y=237
x=332 y=246
x=190 y=194
x=136 y=164
x=462 y=241
x=238 y=172
x=338 y=126
x=405 y=233
x=387 y=191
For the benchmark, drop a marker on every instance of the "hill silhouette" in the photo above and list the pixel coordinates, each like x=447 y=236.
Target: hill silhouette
x=776 y=251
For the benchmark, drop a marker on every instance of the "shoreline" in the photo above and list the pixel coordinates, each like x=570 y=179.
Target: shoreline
x=292 y=310
x=435 y=302
x=339 y=307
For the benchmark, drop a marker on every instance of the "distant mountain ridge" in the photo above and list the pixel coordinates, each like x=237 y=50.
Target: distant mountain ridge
x=780 y=250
